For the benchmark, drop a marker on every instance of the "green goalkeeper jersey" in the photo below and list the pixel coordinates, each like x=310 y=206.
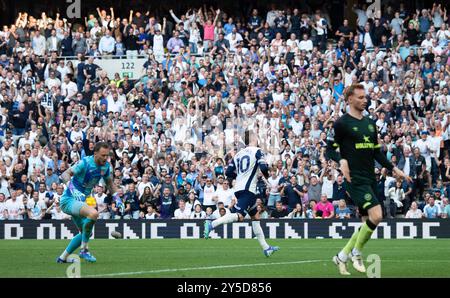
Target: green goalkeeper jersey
x=357 y=141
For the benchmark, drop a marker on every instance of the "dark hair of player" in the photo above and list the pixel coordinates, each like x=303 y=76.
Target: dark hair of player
x=247 y=138
x=100 y=145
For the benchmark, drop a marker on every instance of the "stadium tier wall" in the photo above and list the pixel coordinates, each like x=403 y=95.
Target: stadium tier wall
x=193 y=229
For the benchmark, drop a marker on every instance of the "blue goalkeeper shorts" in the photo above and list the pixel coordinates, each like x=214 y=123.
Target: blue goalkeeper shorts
x=71 y=205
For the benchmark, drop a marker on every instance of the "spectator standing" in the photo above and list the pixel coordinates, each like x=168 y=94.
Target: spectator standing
x=344 y=31
x=274 y=190
x=362 y=16
x=118 y=205
x=158 y=44
x=53 y=43
x=131 y=202
x=107 y=45
x=315 y=188
x=38 y=43
x=103 y=204
x=327 y=180
x=396 y=196
x=209 y=190
x=321 y=27
x=175 y=44
x=224 y=194
x=50 y=178
x=339 y=190
x=79 y=45
x=397 y=24
x=254 y=23
x=131 y=44
x=167 y=202
x=293 y=192
x=208 y=30
x=66 y=44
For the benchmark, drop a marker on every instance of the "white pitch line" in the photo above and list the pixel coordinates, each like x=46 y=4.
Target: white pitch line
x=416 y=261
x=202 y=268
x=252 y=247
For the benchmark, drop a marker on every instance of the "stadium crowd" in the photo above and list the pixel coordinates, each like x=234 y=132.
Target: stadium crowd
x=211 y=76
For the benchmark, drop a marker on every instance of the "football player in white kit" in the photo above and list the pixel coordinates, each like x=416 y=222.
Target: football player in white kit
x=243 y=167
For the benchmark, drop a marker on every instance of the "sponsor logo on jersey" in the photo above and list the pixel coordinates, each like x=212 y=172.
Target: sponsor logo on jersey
x=366 y=145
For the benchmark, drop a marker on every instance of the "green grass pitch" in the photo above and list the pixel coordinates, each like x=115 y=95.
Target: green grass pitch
x=222 y=258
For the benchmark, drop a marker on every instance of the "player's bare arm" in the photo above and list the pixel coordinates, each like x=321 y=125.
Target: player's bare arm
x=400 y=173
x=110 y=186
x=343 y=163
x=66 y=176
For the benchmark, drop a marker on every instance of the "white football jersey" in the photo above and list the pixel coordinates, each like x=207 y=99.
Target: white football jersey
x=246 y=164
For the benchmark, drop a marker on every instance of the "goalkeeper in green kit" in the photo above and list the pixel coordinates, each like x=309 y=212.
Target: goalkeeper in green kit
x=356 y=137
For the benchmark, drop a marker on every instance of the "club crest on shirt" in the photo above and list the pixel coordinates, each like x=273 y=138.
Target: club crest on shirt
x=371 y=128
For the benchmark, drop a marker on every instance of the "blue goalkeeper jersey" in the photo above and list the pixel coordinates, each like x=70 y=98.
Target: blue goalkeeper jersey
x=86 y=175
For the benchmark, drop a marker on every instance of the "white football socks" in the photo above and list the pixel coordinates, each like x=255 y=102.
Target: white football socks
x=356 y=252
x=342 y=256
x=259 y=234
x=64 y=255
x=233 y=217
x=227 y=218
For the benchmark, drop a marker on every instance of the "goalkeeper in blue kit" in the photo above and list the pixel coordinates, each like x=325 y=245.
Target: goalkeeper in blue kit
x=82 y=178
